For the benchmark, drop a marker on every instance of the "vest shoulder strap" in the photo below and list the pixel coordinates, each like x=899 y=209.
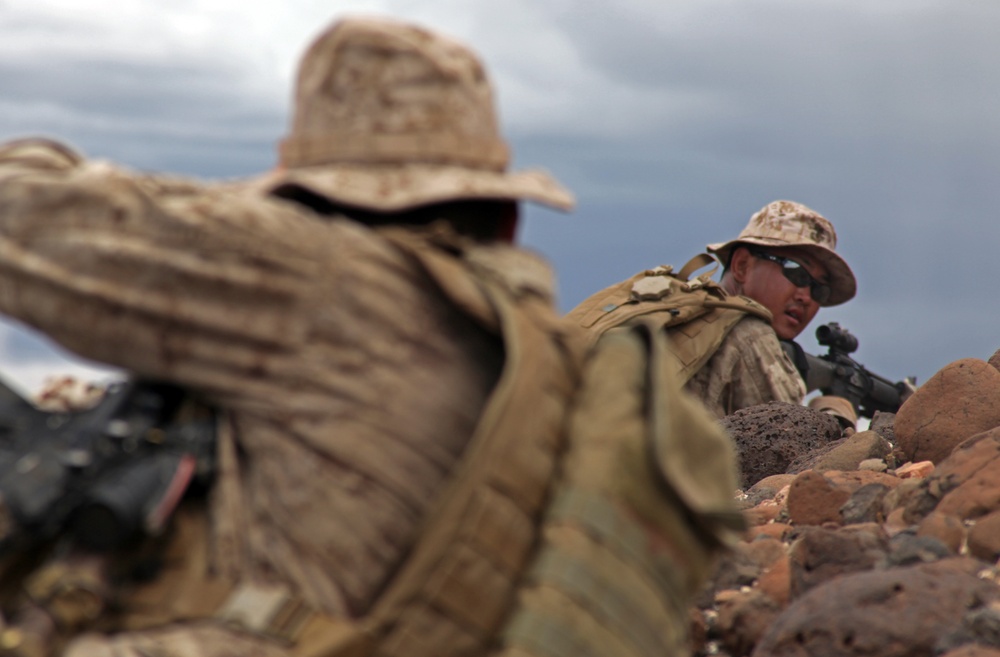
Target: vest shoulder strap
x=662 y=296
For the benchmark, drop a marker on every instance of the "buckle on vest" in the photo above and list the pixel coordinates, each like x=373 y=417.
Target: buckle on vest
x=268 y=610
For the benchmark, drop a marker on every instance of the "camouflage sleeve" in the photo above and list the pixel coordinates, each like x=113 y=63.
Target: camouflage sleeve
x=749 y=368
x=166 y=278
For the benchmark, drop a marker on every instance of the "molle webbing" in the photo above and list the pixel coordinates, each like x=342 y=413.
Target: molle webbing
x=697 y=314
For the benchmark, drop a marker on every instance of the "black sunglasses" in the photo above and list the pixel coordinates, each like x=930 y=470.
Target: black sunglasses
x=799 y=277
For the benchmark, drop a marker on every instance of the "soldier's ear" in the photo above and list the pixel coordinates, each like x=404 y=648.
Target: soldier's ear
x=739 y=264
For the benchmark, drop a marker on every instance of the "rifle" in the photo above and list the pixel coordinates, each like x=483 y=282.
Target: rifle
x=105 y=475
x=836 y=373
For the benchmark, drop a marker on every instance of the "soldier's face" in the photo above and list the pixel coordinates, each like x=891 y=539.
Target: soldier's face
x=768 y=276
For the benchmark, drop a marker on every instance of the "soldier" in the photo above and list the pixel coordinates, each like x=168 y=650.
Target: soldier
x=398 y=471
x=777 y=274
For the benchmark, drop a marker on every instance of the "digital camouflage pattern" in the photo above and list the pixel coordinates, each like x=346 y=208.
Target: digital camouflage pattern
x=749 y=368
x=787 y=223
x=389 y=116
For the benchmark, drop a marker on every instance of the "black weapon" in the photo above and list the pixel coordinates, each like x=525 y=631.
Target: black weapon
x=106 y=474
x=836 y=373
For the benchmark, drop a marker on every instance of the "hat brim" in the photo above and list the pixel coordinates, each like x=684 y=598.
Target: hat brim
x=843 y=284
x=392 y=188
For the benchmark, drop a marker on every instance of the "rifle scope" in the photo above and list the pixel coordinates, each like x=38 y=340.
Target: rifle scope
x=837 y=338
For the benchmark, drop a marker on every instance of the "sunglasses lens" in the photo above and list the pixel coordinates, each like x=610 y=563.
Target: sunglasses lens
x=799 y=277
x=820 y=293
x=797 y=274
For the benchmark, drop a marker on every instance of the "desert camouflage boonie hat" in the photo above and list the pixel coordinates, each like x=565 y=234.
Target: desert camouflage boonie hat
x=389 y=116
x=786 y=223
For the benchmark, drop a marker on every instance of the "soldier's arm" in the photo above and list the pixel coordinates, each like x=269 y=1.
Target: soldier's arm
x=194 y=284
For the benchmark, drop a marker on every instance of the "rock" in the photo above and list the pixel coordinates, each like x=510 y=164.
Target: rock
x=995 y=359
x=947 y=529
x=776 y=581
x=875 y=465
x=957 y=402
x=769 y=487
x=972 y=650
x=743 y=619
x=965 y=485
x=770 y=436
x=884 y=425
x=763 y=513
x=778 y=530
x=815 y=498
x=822 y=554
x=899 y=612
x=980 y=628
x=844 y=454
x=984 y=537
x=906 y=548
x=764 y=551
x=865 y=504
x=913 y=470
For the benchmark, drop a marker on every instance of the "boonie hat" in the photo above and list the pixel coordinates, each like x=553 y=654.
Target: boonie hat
x=786 y=223
x=389 y=116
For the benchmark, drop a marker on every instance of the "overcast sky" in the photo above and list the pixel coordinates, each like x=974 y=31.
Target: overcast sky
x=671 y=121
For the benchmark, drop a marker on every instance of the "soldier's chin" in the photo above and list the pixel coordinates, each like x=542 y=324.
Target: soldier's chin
x=788 y=328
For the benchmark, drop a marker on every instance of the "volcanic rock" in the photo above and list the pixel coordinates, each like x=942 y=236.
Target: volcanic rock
x=965 y=485
x=822 y=554
x=957 y=402
x=900 y=612
x=769 y=437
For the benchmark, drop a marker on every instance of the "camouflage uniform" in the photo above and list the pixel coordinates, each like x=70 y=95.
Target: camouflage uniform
x=749 y=368
x=742 y=363
x=394 y=402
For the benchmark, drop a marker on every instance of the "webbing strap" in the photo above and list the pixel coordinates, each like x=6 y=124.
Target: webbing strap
x=694 y=264
x=599 y=517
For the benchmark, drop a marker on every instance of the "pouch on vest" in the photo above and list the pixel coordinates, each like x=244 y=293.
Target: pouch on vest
x=696 y=313
x=642 y=508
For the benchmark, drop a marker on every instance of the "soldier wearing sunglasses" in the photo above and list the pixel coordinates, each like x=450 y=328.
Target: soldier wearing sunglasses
x=777 y=274
x=784 y=260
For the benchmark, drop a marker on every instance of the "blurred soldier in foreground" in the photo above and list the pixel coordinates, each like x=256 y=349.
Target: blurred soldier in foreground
x=725 y=336
x=412 y=457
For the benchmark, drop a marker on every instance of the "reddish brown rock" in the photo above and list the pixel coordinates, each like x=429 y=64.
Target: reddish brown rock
x=815 y=498
x=973 y=650
x=778 y=530
x=770 y=436
x=776 y=581
x=762 y=514
x=984 y=537
x=764 y=551
x=743 y=619
x=768 y=487
x=820 y=555
x=959 y=401
x=965 y=485
x=947 y=529
x=900 y=612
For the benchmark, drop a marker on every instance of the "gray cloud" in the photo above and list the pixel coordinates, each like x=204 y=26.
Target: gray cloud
x=673 y=122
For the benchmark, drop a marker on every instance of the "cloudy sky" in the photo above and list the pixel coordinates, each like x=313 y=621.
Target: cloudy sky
x=671 y=121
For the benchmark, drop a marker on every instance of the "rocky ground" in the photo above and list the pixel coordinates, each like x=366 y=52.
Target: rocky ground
x=882 y=543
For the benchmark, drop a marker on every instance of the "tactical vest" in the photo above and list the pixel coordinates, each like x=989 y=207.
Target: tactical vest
x=586 y=511
x=697 y=314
